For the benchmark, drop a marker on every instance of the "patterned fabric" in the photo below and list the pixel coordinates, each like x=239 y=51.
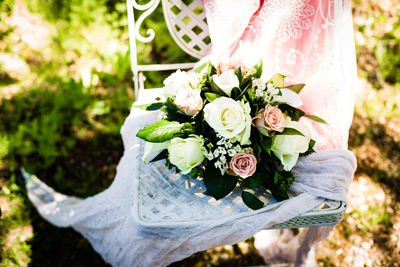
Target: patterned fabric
x=309 y=41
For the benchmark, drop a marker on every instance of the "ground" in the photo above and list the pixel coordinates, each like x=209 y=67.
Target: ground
x=65 y=89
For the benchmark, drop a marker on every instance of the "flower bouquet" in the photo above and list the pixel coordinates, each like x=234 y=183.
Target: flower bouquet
x=228 y=126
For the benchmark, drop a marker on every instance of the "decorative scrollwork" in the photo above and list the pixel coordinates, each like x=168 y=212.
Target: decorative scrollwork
x=149 y=7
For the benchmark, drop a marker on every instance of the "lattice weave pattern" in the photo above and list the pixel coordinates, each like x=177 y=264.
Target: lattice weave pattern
x=187 y=23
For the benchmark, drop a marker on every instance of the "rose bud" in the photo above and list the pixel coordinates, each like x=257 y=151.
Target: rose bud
x=230 y=64
x=243 y=164
x=189 y=101
x=269 y=119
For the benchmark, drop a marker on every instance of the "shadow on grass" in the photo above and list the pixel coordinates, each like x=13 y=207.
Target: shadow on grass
x=378 y=156
x=88 y=170
x=68 y=137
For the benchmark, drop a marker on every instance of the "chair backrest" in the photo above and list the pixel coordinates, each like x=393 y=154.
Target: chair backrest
x=186 y=22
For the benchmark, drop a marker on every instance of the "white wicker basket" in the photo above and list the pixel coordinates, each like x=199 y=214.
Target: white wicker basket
x=164 y=198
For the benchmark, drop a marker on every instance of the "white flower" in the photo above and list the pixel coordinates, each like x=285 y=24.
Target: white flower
x=226 y=81
x=271 y=89
x=150 y=148
x=186 y=153
x=232 y=152
x=229 y=118
x=175 y=82
x=195 y=80
x=291 y=98
x=288 y=147
x=189 y=101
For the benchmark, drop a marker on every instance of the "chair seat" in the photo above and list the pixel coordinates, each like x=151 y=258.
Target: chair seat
x=165 y=198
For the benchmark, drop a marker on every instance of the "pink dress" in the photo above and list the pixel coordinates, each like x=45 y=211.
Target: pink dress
x=309 y=41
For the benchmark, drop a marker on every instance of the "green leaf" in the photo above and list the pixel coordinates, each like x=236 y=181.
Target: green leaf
x=316 y=118
x=252 y=94
x=171 y=106
x=291 y=131
x=252 y=201
x=296 y=87
x=152 y=106
x=266 y=144
x=211 y=96
x=163 y=155
x=279 y=184
x=254 y=181
x=218 y=186
x=293 y=113
x=310 y=148
x=276 y=175
x=259 y=69
x=238 y=73
x=207 y=65
x=257 y=152
x=188 y=128
x=242 y=92
x=193 y=173
x=160 y=131
x=215 y=88
x=278 y=80
x=235 y=93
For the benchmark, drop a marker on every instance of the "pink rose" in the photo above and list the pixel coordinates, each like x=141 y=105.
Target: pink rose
x=189 y=101
x=243 y=164
x=229 y=65
x=269 y=119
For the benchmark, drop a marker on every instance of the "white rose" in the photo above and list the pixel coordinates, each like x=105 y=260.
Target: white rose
x=186 y=153
x=229 y=118
x=175 y=82
x=226 y=81
x=289 y=97
x=189 y=101
x=288 y=147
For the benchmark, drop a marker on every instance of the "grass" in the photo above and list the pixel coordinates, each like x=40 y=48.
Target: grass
x=61 y=112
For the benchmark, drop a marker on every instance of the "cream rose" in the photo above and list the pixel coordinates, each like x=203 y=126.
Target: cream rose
x=288 y=147
x=186 y=153
x=226 y=81
x=189 y=101
x=229 y=118
x=175 y=82
x=269 y=119
x=243 y=164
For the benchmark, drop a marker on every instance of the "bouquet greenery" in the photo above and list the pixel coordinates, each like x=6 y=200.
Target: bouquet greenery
x=226 y=125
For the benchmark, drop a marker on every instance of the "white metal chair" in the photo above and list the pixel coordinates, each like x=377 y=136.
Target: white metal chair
x=187 y=25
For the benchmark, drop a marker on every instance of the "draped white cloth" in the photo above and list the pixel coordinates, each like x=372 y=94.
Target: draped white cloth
x=286 y=32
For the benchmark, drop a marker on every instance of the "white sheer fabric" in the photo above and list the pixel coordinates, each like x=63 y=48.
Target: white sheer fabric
x=286 y=41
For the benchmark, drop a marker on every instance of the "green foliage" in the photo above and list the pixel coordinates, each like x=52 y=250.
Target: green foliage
x=387 y=52
x=254 y=181
x=279 y=184
x=41 y=122
x=15 y=219
x=315 y=118
x=252 y=201
x=218 y=186
x=375 y=215
x=296 y=87
x=160 y=131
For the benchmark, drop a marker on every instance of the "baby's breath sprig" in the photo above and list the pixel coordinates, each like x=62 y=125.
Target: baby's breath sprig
x=222 y=151
x=268 y=92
